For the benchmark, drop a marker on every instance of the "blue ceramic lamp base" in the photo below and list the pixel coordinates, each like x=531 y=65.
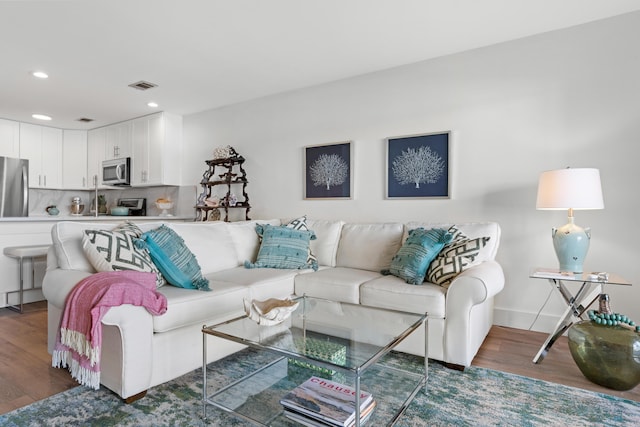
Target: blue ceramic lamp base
x=571 y=243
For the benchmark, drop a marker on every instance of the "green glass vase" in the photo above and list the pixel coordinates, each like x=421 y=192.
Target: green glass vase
x=607 y=355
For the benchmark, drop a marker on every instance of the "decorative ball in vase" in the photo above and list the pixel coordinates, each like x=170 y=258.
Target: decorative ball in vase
x=606 y=348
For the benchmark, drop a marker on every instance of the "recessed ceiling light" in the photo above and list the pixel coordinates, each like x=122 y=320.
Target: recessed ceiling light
x=152 y=104
x=40 y=117
x=40 y=74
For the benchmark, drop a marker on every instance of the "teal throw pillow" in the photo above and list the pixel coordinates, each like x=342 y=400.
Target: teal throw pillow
x=173 y=258
x=301 y=224
x=283 y=247
x=417 y=252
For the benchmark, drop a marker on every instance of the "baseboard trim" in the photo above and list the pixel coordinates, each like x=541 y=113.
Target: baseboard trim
x=524 y=320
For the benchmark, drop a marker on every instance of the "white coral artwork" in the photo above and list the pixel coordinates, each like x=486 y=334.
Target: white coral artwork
x=329 y=170
x=222 y=152
x=418 y=166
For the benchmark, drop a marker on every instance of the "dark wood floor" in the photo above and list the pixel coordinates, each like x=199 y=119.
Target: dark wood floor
x=26 y=374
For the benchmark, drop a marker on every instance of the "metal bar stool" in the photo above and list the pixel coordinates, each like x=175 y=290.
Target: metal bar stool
x=20 y=253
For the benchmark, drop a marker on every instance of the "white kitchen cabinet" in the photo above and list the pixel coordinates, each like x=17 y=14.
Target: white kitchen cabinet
x=118 y=140
x=95 y=156
x=9 y=138
x=74 y=160
x=157 y=144
x=42 y=146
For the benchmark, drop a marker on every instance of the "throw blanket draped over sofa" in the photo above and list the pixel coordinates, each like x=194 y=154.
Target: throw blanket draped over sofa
x=141 y=350
x=79 y=340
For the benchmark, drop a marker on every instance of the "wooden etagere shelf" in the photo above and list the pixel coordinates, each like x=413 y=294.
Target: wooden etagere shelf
x=227 y=172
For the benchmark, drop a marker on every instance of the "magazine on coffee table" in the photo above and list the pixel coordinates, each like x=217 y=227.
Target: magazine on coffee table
x=325 y=400
x=314 y=422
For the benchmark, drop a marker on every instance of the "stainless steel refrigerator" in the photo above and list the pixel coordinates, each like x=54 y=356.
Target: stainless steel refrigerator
x=14 y=187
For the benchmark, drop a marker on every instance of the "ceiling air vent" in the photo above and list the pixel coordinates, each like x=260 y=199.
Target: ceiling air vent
x=142 y=85
x=84 y=120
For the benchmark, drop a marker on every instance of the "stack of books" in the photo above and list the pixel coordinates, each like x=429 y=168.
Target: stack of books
x=319 y=403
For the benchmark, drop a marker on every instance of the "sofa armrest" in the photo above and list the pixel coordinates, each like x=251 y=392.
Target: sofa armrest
x=127 y=355
x=475 y=285
x=57 y=283
x=469 y=311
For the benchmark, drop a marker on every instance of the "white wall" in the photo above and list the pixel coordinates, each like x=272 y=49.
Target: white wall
x=566 y=98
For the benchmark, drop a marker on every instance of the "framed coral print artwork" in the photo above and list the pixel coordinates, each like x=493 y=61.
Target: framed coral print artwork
x=418 y=166
x=328 y=171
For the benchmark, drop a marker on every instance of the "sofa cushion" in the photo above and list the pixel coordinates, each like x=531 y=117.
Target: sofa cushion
x=282 y=247
x=173 y=258
x=186 y=307
x=262 y=283
x=417 y=252
x=325 y=247
x=336 y=284
x=369 y=246
x=393 y=293
x=113 y=250
x=210 y=242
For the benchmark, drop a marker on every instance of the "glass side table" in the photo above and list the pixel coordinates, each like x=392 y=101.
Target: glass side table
x=591 y=285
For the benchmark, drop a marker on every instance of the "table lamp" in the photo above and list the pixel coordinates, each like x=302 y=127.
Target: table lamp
x=571 y=189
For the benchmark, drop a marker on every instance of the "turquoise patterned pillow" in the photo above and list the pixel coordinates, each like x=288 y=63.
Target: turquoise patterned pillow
x=417 y=252
x=283 y=247
x=173 y=258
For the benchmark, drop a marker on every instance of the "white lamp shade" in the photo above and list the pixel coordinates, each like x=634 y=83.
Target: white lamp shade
x=578 y=189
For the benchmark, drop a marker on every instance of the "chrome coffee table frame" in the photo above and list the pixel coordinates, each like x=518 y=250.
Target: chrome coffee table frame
x=244 y=331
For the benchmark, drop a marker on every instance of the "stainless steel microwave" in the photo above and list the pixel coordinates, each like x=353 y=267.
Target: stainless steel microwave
x=117 y=171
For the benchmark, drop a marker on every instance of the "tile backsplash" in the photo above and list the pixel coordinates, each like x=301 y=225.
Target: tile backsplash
x=184 y=199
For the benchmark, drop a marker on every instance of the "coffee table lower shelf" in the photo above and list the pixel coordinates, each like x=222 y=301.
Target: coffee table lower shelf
x=255 y=397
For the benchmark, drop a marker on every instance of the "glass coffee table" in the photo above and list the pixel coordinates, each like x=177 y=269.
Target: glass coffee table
x=343 y=342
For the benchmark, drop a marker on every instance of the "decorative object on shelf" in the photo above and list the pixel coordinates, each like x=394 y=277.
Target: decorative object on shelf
x=223 y=152
x=165 y=205
x=571 y=189
x=52 y=210
x=269 y=312
x=606 y=348
x=418 y=166
x=328 y=171
x=212 y=201
x=233 y=174
x=214 y=215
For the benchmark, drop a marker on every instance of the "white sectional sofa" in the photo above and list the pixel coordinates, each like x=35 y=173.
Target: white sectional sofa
x=140 y=351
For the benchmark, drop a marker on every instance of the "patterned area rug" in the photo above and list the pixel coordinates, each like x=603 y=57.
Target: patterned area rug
x=475 y=397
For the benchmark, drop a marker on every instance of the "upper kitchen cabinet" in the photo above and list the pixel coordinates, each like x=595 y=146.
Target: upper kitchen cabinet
x=157 y=146
x=118 y=140
x=43 y=147
x=9 y=138
x=95 y=156
x=74 y=160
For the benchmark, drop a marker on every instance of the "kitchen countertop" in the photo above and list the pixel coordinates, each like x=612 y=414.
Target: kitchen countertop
x=57 y=218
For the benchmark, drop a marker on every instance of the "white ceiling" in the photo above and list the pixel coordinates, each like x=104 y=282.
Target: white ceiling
x=205 y=54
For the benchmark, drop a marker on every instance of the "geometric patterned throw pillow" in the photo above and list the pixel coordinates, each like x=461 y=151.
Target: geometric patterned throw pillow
x=455 y=257
x=114 y=250
x=129 y=227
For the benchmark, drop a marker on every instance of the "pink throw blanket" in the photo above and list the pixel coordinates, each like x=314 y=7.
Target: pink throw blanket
x=79 y=338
